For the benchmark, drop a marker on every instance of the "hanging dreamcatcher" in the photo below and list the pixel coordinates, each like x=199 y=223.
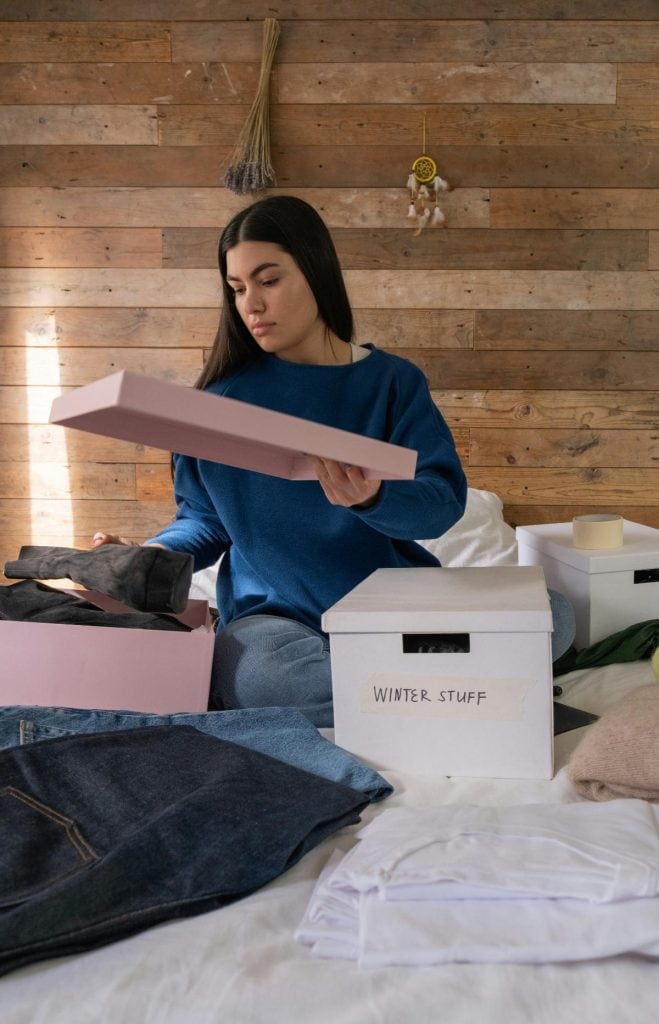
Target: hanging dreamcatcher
x=424 y=185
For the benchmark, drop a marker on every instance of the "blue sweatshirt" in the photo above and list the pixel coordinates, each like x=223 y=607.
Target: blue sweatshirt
x=287 y=550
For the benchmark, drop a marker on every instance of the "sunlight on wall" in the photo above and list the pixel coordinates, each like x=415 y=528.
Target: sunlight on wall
x=49 y=470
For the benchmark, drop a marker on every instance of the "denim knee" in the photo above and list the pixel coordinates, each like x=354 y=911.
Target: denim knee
x=272 y=661
x=564 y=624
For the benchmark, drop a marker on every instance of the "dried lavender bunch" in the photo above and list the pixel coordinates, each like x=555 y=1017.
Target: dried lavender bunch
x=251 y=168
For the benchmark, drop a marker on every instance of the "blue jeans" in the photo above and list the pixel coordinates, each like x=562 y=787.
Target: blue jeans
x=564 y=622
x=271 y=661
x=106 y=834
x=266 y=661
x=284 y=733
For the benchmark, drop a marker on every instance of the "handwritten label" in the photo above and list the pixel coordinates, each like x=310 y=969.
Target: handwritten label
x=400 y=693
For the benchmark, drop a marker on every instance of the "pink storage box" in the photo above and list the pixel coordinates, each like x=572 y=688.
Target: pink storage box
x=181 y=419
x=62 y=665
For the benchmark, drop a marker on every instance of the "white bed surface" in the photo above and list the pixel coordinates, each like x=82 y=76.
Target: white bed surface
x=241 y=964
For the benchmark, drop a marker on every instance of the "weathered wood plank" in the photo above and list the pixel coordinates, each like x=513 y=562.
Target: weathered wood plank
x=599 y=487
x=213 y=207
x=390 y=248
x=57 y=41
x=494 y=409
x=48 y=518
x=505 y=289
x=488 y=248
x=461 y=438
x=638 y=82
x=369 y=124
x=585 y=208
x=103 y=328
x=84 y=287
x=81 y=83
x=78 y=125
x=153 y=483
x=43 y=443
x=653 y=255
x=559 y=448
x=568 y=164
x=573 y=165
x=213 y=82
x=353 y=41
x=27 y=404
x=529 y=515
x=466 y=369
x=107 y=166
x=370 y=289
x=78 y=480
x=74 y=367
x=80 y=247
x=292 y=10
x=118 y=207
x=415 y=328
x=566 y=328
x=446 y=83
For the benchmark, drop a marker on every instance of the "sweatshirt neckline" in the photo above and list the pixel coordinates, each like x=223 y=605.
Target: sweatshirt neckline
x=286 y=366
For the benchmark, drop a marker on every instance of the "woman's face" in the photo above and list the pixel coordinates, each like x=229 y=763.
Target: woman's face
x=275 y=302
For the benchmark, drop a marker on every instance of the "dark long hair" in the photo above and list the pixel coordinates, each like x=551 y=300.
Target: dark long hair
x=296 y=228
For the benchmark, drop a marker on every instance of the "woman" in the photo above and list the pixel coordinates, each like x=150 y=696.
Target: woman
x=292 y=548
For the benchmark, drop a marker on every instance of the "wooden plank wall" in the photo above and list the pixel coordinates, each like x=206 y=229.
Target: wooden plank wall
x=535 y=313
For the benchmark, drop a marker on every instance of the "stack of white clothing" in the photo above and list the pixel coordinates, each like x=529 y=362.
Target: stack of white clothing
x=533 y=883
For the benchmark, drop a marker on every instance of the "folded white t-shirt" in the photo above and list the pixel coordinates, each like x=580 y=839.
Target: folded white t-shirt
x=527 y=883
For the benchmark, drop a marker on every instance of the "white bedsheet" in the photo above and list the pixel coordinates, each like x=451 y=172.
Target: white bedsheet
x=241 y=964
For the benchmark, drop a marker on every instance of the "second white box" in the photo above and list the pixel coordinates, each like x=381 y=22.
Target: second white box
x=445 y=671
x=610 y=588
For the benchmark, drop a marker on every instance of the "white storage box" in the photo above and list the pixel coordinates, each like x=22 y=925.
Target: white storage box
x=445 y=671
x=610 y=588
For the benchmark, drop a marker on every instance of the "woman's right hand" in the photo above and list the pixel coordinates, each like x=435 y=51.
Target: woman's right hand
x=112 y=538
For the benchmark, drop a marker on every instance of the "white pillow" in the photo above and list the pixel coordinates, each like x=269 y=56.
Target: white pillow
x=481 y=537
x=203 y=585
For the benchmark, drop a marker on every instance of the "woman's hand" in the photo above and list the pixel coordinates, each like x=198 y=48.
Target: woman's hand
x=112 y=538
x=345 y=485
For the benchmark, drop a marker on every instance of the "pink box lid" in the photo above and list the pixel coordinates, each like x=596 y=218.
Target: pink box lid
x=176 y=418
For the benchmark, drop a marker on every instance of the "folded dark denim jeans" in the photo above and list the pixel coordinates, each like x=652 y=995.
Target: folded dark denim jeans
x=284 y=733
x=106 y=834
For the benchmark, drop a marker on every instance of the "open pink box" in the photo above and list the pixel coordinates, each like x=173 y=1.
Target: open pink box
x=147 y=411
x=63 y=665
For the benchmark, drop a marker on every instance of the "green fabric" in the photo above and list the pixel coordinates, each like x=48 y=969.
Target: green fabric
x=632 y=644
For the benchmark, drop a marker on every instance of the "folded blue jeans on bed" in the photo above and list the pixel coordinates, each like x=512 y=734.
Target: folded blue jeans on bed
x=284 y=733
x=106 y=834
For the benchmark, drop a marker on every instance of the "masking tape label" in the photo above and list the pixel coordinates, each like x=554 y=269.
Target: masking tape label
x=405 y=694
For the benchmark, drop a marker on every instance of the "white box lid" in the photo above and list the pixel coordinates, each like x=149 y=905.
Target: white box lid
x=496 y=599
x=639 y=550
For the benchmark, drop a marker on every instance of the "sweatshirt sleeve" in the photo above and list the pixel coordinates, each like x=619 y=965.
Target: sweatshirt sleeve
x=435 y=499
x=196 y=528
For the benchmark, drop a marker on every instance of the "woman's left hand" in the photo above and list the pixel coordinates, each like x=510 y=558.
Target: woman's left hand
x=345 y=485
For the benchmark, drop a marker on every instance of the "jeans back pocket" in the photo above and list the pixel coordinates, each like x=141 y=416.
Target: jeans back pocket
x=40 y=846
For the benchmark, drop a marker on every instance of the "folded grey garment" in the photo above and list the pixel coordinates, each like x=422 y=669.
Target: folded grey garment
x=29 y=601
x=150 y=579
